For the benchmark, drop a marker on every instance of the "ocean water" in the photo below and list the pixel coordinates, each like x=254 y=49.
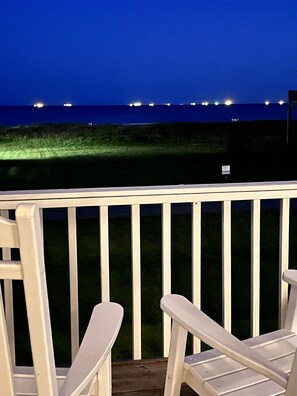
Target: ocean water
x=28 y=115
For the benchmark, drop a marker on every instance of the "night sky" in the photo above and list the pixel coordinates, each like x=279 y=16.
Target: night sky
x=122 y=51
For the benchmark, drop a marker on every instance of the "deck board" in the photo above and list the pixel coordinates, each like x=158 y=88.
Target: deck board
x=142 y=378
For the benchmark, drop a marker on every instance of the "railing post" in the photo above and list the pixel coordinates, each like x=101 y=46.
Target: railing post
x=105 y=379
x=283 y=258
x=136 y=281
x=226 y=264
x=104 y=254
x=255 y=267
x=166 y=265
x=196 y=263
x=72 y=240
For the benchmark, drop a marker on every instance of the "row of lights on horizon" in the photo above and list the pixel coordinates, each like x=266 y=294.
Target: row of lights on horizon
x=39 y=105
x=227 y=102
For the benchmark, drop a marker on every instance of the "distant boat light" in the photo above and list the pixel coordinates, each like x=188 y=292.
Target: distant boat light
x=228 y=102
x=67 y=105
x=267 y=102
x=281 y=102
x=193 y=104
x=151 y=104
x=204 y=103
x=216 y=103
x=38 y=105
x=136 y=104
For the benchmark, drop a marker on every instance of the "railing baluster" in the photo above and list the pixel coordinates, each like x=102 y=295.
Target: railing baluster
x=136 y=281
x=73 y=275
x=166 y=270
x=196 y=263
x=105 y=284
x=283 y=257
x=226 y=263
x=255 y=267
x=8 y=298
x=104 y=254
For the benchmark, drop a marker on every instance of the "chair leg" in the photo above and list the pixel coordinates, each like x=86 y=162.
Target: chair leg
x=104 y=381
x=176 y=358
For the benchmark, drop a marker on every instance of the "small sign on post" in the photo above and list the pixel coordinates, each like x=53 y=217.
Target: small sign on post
x=226 y=169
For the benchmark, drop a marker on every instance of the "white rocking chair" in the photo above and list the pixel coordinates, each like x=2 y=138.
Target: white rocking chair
x=263 y=365
x=90 y=372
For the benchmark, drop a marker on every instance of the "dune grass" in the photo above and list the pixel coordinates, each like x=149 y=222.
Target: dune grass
x=59 y=141
x=76 y=156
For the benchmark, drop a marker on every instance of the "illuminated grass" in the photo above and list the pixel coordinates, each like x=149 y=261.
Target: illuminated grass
x=48 y=150
x=56 y=141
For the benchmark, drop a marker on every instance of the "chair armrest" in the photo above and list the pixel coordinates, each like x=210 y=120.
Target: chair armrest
x=290 y=276
x=96 y=345
x=200 y=325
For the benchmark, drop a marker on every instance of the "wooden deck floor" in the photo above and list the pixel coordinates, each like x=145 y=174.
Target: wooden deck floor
x=142 y=378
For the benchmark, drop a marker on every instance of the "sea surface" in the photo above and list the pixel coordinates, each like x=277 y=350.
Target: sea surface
x=28 y=115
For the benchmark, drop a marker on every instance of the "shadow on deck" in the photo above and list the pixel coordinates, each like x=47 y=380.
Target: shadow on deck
x=142 y=378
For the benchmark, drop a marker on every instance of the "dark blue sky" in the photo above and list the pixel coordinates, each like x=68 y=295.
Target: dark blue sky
x=121 y=51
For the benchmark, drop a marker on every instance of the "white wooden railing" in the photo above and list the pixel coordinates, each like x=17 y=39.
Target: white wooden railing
x=166 y=196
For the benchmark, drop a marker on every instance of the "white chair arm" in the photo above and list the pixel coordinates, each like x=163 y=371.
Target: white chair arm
x=290 y=276
x=200 y=325
x=96 y=345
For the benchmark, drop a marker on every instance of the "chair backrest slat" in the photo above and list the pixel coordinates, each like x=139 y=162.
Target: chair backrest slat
x=25 y=234
x=32 y=258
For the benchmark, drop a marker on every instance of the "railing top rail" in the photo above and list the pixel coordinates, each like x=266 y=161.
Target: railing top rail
x=150 y=194
x=148 y=190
